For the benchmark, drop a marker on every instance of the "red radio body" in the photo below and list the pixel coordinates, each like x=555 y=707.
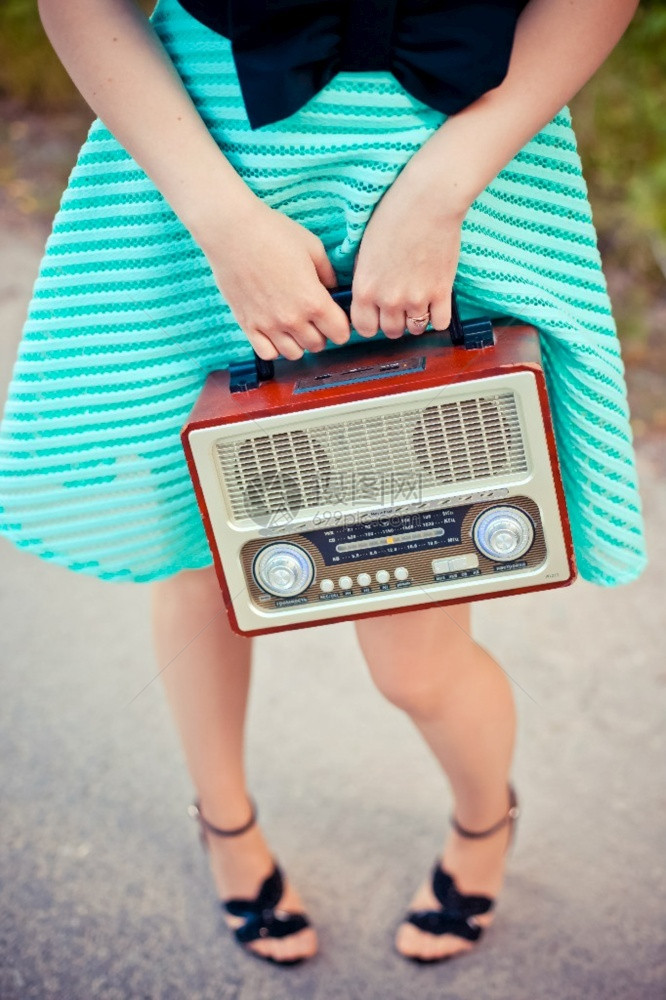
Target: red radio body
x=380 y=477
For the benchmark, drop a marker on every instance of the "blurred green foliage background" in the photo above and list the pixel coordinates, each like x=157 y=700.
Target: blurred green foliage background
x=619 y=118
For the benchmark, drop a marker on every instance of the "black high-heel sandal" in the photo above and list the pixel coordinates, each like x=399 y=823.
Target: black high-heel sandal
x=263 y=919
x=458 y=911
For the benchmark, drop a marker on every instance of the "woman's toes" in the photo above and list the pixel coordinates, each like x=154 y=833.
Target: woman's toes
x=415 y=943
x=410 y=941
x=259 y=946
x=284 y=951
x=448 y=945
x=287 y=948
x=293 y=946
x=302 y=944
x=264 y=947
x=279 y=949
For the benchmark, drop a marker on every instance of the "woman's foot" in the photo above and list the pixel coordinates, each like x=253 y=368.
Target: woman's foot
x=476 y=865
x=239 y=865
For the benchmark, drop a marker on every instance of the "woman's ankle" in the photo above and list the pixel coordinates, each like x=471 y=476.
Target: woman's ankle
x=227 y=811
x=479 y=812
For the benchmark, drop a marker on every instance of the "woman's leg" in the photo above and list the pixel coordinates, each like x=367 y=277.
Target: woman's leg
x=205 y=668
x=426 y=663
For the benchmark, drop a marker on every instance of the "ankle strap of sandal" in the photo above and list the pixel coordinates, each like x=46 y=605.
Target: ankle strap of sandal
x=510 y=815
x=195 y=810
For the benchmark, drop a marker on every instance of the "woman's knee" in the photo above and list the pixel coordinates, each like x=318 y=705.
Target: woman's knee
x=418 y=694
x=413 y=657
x=411 y=681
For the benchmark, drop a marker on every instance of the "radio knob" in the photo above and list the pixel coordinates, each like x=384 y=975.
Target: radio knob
x=345 y=583
x=401 y=573
x=503 y=533
x=364 y=579
x=283 y=569
x=382 y=576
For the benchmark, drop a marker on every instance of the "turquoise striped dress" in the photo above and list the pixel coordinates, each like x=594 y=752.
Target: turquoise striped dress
x=126 y=321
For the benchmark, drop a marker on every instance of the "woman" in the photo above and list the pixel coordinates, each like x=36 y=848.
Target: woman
x=189 y=228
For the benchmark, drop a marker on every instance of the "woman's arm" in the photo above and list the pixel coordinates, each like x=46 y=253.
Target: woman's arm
x=272 y=271
x=558 y=46
x=113 y=55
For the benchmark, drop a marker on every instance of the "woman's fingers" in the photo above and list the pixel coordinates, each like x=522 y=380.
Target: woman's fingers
x=364 y=314
x=370 y=313
x=440 y=312
x=328 y=318
x=292 y=344
x=325 y=270
x=392 y=321
x=418 y=316
x=287 y=346
x=303 y=325
x=263 y=345
x=322 y=311
x=316 y=340
x=309 y=337
x=367 y=317
x=269 y=347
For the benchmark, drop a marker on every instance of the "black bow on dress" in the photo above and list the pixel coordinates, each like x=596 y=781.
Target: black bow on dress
x=445 y=54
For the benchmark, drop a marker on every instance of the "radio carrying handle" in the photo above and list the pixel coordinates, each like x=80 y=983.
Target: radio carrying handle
x=472 y=334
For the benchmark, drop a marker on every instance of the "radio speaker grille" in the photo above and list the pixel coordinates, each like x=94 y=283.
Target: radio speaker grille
x=359 y=458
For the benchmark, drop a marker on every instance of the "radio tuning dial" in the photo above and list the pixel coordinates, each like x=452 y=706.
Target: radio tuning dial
x=503 y=533
x=283 y=569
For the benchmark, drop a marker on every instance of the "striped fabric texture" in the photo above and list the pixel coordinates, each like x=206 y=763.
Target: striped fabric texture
x=126 y=321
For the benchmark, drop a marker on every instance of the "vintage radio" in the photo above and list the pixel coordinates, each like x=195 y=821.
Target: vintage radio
x=382 y=476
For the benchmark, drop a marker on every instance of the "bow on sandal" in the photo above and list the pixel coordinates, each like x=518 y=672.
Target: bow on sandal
x=458 y=910
x=262 y=918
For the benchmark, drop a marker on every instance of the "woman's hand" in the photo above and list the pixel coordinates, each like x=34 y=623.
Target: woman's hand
x=407 y=260
x=274 y=275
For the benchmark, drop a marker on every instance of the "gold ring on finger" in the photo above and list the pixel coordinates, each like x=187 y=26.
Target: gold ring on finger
x=421 y=321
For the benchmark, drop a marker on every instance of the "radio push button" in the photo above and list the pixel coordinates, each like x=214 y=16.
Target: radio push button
x=326 y=586
x=364 y=579
x=401 y=573
x=441 y=566
x=382 y=576
x=455 y=563
x=469 y=561
x=345 y=583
